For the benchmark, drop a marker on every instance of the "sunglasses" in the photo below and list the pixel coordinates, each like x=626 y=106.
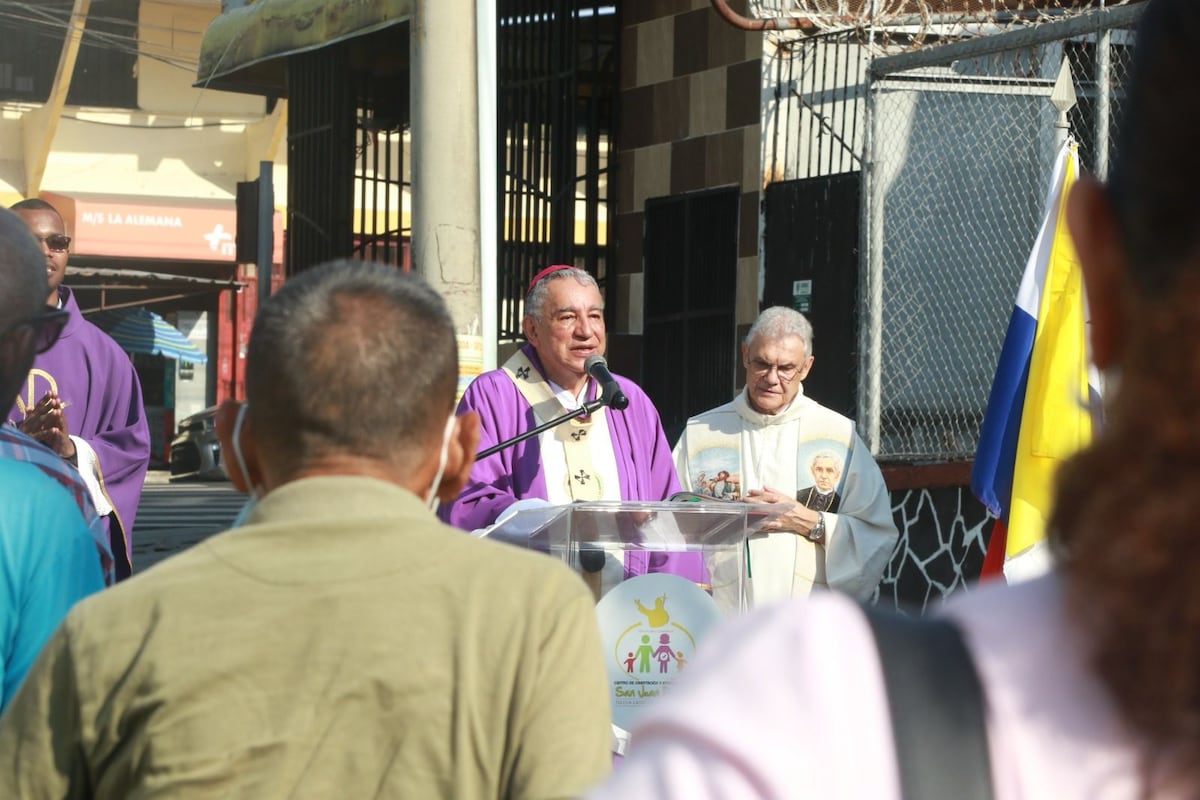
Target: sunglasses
x=57 y=242
x=47 y=326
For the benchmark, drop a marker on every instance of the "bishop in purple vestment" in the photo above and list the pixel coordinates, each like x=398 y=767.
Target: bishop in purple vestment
x=643 y=456
x=564 y=325
x=82 y=398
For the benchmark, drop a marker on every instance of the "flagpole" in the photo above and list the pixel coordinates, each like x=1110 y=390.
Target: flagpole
x=1062 y=97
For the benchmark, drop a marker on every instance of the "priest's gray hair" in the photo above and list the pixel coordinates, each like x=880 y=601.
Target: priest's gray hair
x=780 y=322
x=535 y=302
x=23 y=286
x=352 y=357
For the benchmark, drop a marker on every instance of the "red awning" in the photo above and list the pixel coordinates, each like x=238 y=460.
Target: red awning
x=158 y=228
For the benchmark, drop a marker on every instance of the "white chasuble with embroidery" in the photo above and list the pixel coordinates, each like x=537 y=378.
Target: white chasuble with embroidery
x=728 y=451
x=577 y=456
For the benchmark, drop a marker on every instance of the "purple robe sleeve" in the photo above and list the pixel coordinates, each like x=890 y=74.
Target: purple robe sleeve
x=96 y=379
x=498 y=481
x=120 y=436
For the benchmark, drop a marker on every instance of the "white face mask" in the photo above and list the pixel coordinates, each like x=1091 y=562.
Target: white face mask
x=240 y=460
x=238 y=457
x=431 y=496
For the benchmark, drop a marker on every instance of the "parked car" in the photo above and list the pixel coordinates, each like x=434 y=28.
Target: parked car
x=195 y=451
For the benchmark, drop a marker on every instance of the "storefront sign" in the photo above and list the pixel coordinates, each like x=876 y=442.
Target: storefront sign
x=139 y=227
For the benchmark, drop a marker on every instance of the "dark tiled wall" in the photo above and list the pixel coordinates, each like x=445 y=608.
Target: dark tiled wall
x=690 y=108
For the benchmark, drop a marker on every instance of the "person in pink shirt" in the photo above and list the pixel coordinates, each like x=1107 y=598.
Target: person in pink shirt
x=1091 y=674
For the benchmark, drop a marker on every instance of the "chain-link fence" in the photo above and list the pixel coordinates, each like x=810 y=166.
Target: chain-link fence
x=961 y=141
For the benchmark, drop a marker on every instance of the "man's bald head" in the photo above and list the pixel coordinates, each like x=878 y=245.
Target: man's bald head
x=23 y=290
x=351 y=358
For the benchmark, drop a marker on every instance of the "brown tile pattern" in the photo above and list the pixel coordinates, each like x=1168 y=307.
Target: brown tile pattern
x=694 y=126
x=725 y=159
x=748 y=225
x=637 y=118
x=707 y=101
x=671 y=102
x=625 y=180
x=728 y=45
x=687 y=165
x=652 y=166
x=743 y=94
x=629 y=52
x=656 y=56
x=629 y=243
x=691 y=41
x=624 y=354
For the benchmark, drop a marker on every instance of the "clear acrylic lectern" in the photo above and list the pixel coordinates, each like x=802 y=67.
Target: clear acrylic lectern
x=662 y=573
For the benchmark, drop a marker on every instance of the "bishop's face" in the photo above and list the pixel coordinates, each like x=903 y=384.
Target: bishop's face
x=570 y=328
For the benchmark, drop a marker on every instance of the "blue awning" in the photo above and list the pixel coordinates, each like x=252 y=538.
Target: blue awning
x=140 y=330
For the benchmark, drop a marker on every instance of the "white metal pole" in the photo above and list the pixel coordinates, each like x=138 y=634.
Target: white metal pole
x=485 y=37
x=870 y=400
x=1103 y=100
x=445 y=156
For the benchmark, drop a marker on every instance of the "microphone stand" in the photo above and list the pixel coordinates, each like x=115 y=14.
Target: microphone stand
x=585 y=410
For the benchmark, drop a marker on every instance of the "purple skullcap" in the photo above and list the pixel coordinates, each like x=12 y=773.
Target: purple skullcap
x=543 y=273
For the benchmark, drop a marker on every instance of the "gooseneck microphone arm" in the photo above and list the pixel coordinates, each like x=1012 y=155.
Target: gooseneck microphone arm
x=587 y=408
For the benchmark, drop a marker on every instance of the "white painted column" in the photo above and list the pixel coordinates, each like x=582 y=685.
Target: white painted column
x=445 y=160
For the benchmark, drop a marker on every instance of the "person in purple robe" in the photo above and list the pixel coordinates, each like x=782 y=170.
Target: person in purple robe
x=83 y=399
x=611 y=455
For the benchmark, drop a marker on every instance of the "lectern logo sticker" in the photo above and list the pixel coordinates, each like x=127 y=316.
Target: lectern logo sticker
x=651 y=625
x=649 y=652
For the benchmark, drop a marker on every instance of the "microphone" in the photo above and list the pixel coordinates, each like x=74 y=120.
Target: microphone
x=610 y=392
x=591 y=558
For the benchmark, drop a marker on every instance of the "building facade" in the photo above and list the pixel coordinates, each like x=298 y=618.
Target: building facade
x=99 y=117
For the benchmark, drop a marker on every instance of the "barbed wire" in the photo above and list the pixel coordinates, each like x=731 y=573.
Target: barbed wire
x=915 y=21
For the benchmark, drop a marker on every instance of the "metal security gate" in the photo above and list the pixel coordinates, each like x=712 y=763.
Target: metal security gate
x=689 y=350
x=811 y=247
x=348 y=120
x=556 y=111
x=320 y=157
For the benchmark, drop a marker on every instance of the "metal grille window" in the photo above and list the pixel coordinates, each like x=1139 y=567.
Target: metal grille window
x=321 y=151
x=961 y=139
x=687 y=363
x=348 y=149
x=556 y=106
x=815 y=124
x=381 y=154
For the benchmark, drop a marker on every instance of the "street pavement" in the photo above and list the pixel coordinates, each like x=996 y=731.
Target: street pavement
x=174 y=516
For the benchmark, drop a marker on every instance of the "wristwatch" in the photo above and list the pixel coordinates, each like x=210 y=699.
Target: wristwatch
x=817 y=534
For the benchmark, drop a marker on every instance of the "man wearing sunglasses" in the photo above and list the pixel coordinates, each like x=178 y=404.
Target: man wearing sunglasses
x=47 y=550
x=82 y=398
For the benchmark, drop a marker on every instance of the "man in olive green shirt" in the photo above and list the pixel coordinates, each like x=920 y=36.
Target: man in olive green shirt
x=342 y=642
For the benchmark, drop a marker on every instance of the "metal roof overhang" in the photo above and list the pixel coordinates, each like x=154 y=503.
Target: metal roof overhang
x=138 y=287
x=244 y=48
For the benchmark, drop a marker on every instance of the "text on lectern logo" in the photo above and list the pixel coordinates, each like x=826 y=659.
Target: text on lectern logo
x=650 y=625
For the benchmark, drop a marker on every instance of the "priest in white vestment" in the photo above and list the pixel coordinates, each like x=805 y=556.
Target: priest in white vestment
x=778 y=446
